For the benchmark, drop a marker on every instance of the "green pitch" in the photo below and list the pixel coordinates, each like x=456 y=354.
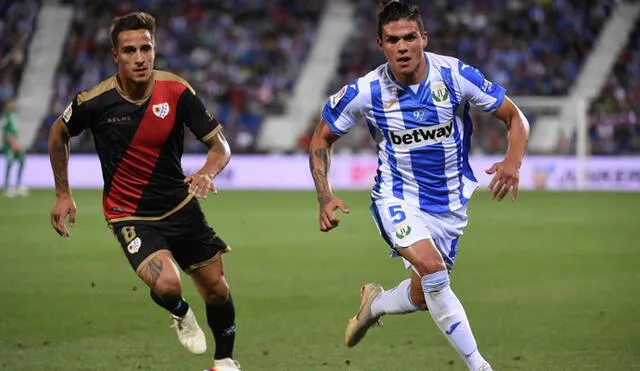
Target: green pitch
x=551 y=282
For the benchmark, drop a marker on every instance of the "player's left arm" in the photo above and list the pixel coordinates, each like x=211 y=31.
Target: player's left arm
x=218 y=156
x=209 y=131
x=491 y=97
x=507 y=171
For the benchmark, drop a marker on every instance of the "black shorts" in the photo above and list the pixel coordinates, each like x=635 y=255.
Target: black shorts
x=185 y=233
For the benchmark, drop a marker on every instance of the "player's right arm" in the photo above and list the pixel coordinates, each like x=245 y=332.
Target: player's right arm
x=69 y=124
x=319 y=163
x=59 y=157
x=338 y=116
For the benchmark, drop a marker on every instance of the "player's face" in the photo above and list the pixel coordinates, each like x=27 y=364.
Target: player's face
x=403 y=45
x=134 y=55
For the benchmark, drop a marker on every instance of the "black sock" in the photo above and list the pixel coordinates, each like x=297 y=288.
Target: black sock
x=221 y=319
x=177 y=306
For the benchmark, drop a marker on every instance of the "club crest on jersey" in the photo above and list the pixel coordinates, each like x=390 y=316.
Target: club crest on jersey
x=334 y=99
x=134 y=245
x=66 y=115
x=402 y=231
x=161 y=110
x=440 y=93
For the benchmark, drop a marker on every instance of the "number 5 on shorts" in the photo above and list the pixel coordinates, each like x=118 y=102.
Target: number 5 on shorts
x=396 y=213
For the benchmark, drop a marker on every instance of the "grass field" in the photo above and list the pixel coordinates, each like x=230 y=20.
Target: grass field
x=551 y=282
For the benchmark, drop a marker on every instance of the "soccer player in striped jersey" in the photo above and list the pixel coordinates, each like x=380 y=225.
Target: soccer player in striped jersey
x=417 y=109
x=138 y=118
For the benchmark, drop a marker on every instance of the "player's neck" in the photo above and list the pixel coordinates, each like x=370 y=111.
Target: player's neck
x=135 y=91
x=414 y=77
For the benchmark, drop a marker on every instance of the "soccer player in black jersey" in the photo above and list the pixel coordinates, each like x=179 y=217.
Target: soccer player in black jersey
x=137 y=119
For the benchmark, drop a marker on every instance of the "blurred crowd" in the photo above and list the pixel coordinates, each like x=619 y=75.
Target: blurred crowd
x=17 y=23
x=614 y=126
x=241 y=56
x=531 y=47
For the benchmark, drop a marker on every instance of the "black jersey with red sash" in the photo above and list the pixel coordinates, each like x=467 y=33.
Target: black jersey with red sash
x=140 y=143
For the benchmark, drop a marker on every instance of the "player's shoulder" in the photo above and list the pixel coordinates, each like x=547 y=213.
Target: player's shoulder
x=362 y=85
x=459 y=69
x=440 y=60
x=101 y=88
x=173 y=79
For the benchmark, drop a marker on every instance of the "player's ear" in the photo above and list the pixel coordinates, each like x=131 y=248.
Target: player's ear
x=379 y=42
x=114 y=55
x=425 y=39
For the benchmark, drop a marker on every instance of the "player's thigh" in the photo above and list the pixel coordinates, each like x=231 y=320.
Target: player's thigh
x=193 y=242
x=399 y=224
x=425 y=241
x=147 y=251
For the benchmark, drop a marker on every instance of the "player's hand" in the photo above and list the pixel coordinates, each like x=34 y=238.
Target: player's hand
x=15 y=147
x=507 y=177
x=328 y=205
x=200 y=185
x=64 y=207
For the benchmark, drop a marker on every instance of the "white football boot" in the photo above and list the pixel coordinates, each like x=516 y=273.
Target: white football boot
x=189 y=333
x=484 y=367
x=225 y=364
x=363 y=320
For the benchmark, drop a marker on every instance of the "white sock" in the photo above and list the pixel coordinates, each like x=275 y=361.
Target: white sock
x=394 y=301
x=448 y=313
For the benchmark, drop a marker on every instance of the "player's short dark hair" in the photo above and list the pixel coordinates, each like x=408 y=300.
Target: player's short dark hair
x=394 y=10
x=132 y=21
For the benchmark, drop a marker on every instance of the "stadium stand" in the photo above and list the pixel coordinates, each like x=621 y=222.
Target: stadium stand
x=242 y=57
x=531 y=47
x=613 y=117
x=17 y=23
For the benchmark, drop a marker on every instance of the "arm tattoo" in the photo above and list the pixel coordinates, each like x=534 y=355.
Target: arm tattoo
x=320 y=162
x=152 y=271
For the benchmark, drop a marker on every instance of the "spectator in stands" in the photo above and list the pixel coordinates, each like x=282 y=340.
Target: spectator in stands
x=613 y=117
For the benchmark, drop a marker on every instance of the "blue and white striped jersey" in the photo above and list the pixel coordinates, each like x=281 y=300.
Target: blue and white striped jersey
x=422 y=145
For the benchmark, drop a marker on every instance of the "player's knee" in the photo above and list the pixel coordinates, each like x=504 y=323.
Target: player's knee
x=216 y=292
x=168 y=287
x=430 y=265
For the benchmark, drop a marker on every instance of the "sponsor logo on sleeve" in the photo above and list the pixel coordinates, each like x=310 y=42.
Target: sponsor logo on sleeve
x=334 y=99
x=487 y=86
x=66 y=115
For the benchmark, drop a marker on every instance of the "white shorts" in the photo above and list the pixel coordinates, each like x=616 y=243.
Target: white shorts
x=402 y=225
